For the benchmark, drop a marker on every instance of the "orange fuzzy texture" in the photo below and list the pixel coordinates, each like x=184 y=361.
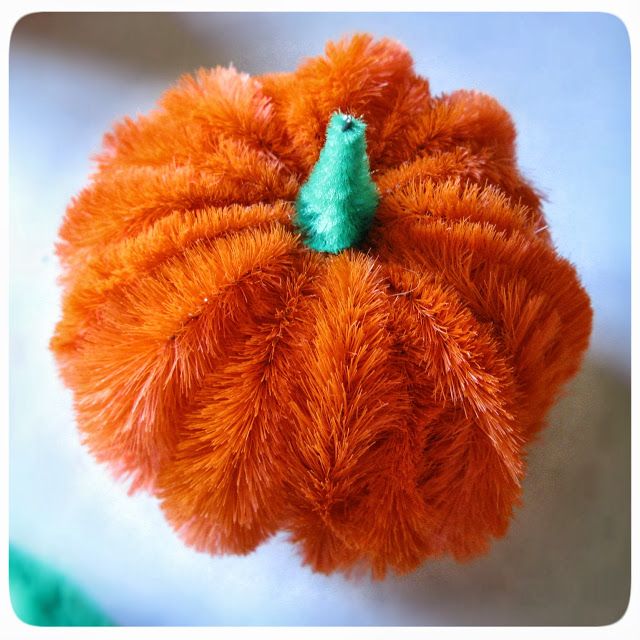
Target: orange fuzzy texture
x=376 y=404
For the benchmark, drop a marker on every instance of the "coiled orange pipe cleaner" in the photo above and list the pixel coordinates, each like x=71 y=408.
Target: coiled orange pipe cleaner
x=324 y=302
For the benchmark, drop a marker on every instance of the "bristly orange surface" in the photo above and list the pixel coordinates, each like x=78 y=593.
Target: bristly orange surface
x=377 y=402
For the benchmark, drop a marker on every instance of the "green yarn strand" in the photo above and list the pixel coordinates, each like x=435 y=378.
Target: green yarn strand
x=335 y=207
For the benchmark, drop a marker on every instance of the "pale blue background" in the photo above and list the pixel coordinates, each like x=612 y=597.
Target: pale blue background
x=565 y=80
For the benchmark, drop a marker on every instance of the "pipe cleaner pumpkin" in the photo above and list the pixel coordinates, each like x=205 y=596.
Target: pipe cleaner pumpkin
x=324 y=302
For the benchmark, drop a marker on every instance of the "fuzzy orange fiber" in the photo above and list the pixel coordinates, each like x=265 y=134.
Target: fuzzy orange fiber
x=375 y=404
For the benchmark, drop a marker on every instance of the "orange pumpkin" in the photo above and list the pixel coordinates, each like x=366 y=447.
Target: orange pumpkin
x=377 y=402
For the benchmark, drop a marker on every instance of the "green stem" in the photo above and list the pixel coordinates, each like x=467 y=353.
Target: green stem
x=336 y=205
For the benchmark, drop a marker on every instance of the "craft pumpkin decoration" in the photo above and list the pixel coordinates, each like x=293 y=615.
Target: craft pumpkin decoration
x=360 y=361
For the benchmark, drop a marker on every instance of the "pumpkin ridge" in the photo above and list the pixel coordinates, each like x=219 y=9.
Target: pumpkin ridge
x=453 y=121
x=461 y=358
x=126 y=190
x=325 y=498
x=454 y=202
x=357 y=75
x=510 y=258
x=480 y=169
x=122 y=263
x=209 y=432
x=192 y=116
x=123 y=339
x=399 y=536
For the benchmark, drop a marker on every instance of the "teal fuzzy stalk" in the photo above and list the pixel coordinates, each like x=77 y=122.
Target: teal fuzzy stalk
x=336 y=205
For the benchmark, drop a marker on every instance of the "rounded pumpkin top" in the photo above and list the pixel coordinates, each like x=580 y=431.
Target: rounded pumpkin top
x=374 y=401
